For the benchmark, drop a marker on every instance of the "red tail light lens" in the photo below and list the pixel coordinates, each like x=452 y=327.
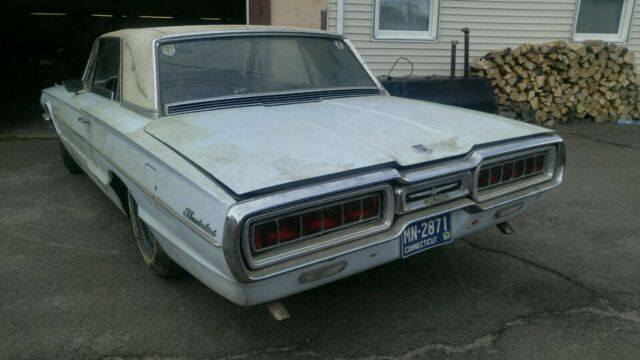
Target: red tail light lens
x=519 y=168
x=371 y=207
x=317 y=222
x=539 y=163
x=511 y=170
x=507 y=171
x=530 y=165
x=483 y=178
x=496 y=174
x=265 y=235
x=332 y=217
x=289 y=228
x=352 y=211
x=311 y=222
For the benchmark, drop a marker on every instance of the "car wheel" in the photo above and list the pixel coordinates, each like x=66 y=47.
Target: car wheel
x=152 y=253
x=71 y=165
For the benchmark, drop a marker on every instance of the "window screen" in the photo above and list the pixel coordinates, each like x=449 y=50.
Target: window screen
x=404 y=15
x=599 y=16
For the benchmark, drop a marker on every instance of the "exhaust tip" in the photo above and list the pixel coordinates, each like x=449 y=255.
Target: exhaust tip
x=278 y=311
x=505 y=228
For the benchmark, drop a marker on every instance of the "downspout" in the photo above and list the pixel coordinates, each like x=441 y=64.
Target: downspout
x=340 y=17
x=246 y=7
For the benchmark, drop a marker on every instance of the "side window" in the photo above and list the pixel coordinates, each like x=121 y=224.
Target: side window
x=106 y=76
x=603 y=20
x=406 y=19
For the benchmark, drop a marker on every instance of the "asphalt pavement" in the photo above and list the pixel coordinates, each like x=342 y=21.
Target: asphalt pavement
x=566 y=285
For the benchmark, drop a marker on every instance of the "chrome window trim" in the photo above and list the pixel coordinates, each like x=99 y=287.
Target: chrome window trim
x=87 y=74
x=264 y=95
x=160 y=108
x=115 y=96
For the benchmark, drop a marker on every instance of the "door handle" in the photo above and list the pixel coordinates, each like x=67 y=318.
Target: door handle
x=84 y=120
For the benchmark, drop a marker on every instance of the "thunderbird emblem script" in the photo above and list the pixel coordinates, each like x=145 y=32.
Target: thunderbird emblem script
x=188 y=213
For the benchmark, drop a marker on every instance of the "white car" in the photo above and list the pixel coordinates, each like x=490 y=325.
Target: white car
x=269 y=161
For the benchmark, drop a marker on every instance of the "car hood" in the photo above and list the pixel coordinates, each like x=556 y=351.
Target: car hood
x=259 y=147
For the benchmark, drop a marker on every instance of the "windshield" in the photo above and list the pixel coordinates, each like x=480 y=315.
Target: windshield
x=214 y=67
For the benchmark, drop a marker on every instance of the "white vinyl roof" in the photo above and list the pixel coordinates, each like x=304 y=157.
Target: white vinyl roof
x=138 y=70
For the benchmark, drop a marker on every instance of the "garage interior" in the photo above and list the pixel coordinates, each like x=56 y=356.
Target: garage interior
x=46 y=42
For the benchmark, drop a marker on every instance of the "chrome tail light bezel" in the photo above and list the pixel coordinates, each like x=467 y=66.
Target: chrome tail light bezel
x=294 y=249
x=547 y=173
x=323 y=232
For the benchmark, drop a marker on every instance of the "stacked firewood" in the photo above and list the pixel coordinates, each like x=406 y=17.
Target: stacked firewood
x=556 y=82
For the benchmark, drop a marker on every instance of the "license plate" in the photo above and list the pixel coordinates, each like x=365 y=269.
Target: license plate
x=426 y=234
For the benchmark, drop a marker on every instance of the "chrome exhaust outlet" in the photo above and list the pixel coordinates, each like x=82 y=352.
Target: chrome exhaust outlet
x=505 y=228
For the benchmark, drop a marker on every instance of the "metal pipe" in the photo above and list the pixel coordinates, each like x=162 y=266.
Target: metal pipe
x=505 y=228
x=466 y=51
x=454 y=44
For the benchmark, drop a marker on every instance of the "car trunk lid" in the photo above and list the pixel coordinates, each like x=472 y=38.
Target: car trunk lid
x=258 y=147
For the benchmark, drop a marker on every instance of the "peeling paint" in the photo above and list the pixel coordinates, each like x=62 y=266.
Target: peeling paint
x=256 y=147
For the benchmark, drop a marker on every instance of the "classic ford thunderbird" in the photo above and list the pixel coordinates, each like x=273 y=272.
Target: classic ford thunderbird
x=269 y=161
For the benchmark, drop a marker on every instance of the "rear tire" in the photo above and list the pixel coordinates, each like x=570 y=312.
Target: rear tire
x=68 y=161
x=152 y=253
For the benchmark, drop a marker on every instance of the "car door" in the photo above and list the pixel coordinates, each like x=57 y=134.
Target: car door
x=103 y=82
x=70 y=121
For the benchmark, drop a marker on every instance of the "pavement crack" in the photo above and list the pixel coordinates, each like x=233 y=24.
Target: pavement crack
x=632 y=316
x=576 y=283
x=532 y=263
x=588 y=137
x=13 y=138
x=65 y=246
x=248 y=354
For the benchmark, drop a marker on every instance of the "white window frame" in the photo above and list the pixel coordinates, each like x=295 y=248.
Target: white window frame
x=430 y=35
x=623 y=29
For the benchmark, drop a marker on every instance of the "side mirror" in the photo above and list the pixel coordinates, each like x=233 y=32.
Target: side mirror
x=73 y=85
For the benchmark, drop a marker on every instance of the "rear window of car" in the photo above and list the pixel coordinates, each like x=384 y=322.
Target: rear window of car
x=226 y=66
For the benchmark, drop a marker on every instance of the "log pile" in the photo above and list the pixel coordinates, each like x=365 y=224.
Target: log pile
x=556 y=82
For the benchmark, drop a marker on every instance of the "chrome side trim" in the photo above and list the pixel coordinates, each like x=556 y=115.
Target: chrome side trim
x=207 y=237
x=139 y=110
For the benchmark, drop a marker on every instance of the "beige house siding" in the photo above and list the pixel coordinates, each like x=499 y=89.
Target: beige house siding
x=494 y=25
x=298 y=13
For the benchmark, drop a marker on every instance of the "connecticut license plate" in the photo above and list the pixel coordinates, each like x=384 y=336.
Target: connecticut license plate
x=425 y=234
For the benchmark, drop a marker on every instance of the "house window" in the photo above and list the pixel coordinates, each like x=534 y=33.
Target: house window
x=606 y=20
x=406 y=19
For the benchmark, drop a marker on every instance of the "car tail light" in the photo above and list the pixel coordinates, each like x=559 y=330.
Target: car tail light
x=266 y=234
x=312 y=222
x=315 y=222
x=511 y=170
x=483 y=178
